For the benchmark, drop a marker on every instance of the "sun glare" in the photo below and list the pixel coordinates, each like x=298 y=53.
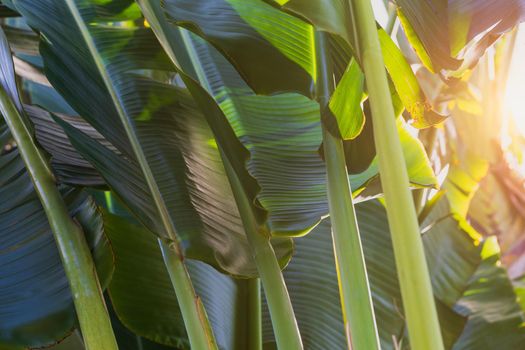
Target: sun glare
x=515 y=94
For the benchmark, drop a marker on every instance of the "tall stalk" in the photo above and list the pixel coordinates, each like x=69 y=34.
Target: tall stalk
x=416 y=289
x=201 y=336
x=72 y=246
x=190 y=305
x=279 y=304
x=356 y=300
x=254 y=311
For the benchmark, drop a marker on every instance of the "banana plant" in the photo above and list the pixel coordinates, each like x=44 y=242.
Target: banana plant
x=25 y=185
x=221 y=174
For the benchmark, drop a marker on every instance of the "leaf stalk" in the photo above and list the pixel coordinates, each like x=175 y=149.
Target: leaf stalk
x=356 y=300
x=416 y=289
x=71 y=243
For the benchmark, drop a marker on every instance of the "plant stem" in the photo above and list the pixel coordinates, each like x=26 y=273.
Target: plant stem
x=180 y=277
x=72 y=246
x=356 y=300
x=190 y=304
x=416 y=289
x=254 y=314
x=281 y=312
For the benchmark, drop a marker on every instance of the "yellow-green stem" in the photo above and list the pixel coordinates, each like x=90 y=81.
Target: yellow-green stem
x=72 y=246
x=356 y=300
x=416 y=289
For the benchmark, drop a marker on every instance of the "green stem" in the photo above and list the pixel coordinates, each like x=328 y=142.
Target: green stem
x=72 y=246
x=356 y=300
x=281 y=312
x=179 y=277
x=190 y=304
x=416 y=289
x=254 y=314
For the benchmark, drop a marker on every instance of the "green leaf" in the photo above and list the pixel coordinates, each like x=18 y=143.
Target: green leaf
x=345 y=104
x=456 y=265
x=263 y=32
x=246 y=26
x=164 y=117
x=496 y=318
x=36 y=302
x=282 y=133
x=68 y=165
x=407 y=86
x=440 y=29
x=130 y=341
x=145 y=303
x=318 y=12
x=418 y=166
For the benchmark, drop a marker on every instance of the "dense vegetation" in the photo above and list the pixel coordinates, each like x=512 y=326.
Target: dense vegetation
x=249 y=174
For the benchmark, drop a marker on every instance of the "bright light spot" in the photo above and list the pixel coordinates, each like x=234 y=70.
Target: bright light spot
x=380 y=12
x=515 y=94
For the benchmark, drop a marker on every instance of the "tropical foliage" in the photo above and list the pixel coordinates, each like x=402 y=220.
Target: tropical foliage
x=259 y=174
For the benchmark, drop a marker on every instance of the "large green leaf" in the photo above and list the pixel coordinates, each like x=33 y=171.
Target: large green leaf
x=35 y=300
x=440 y=29
x=282 y=132
x=144 y=302
x=456 y=267
x=281 y=42
x=36 y=303
x=496 y=318
x=68 y=165
x=174 y=135
x=243 y=26
x=289 y=213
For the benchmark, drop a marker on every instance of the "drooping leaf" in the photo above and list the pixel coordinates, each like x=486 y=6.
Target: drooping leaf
x=164 y=118
x=245 y=24
x=496 y=319
x=36 y=302
x=264 y=33
x=144 y=302
x=440 y=29
x=455 y=261
x=282 y=133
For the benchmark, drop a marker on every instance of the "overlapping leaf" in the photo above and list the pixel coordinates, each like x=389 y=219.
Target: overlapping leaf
x=166 y=118
x=145 y=303
x=36 y=305
x=440 y=29
x=282 y=133
x=245 y=26
x=177 y=141
x=35 y=301
x=457 y=268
